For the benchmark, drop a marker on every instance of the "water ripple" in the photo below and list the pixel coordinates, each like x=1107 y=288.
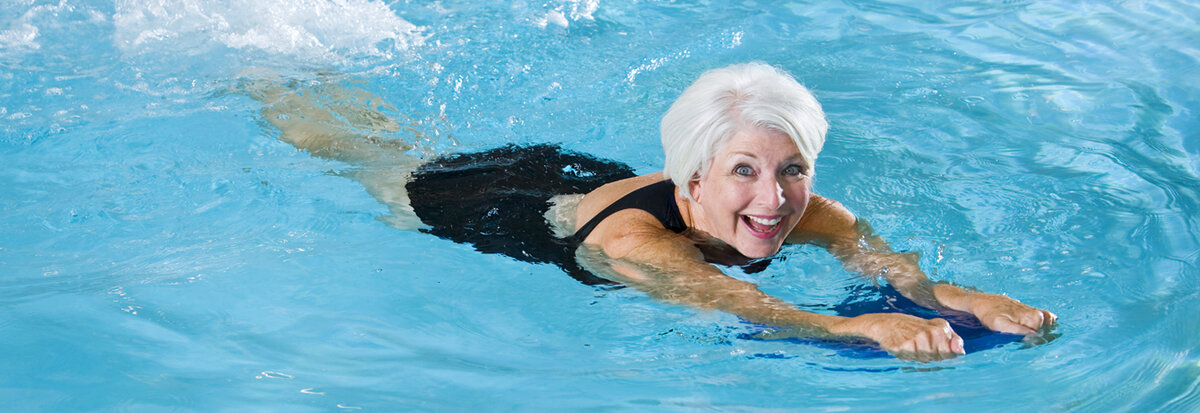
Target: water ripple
x=153 y=228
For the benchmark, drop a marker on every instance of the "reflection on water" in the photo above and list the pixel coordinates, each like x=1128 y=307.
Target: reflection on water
x=161 y=245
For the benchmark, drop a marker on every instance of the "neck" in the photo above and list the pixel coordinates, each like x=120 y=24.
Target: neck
x=691 y=212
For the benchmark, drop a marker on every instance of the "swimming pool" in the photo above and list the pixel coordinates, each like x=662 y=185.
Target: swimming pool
x=161 y=250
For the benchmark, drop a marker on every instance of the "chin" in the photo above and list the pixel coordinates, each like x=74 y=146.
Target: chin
x=759 y=251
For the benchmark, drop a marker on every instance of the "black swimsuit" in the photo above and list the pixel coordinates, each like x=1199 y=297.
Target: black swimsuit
x=657 y=198
x=496 y=200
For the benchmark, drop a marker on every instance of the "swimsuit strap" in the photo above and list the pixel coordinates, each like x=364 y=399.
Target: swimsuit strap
x=657 y=198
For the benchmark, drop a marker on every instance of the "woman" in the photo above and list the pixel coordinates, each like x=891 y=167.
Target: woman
x=740 y=143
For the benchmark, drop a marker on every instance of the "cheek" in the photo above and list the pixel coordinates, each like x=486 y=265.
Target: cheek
x=717 y=193
x=735 y=197
x=798 y=196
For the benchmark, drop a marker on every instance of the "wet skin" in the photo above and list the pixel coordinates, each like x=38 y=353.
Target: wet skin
x=754 y=193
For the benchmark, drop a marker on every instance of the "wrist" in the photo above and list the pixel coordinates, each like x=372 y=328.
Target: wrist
x=952 y=296
x=861 y=326
x=843 y=326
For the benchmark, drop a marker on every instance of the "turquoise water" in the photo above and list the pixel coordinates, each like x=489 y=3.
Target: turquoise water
x=161 y=250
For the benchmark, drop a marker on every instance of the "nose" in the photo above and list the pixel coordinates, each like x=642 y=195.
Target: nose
x=770 y=194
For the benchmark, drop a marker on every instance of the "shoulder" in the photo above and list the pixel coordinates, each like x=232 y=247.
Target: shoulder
x=606 y=194
x=624 y=230
x=824 y=219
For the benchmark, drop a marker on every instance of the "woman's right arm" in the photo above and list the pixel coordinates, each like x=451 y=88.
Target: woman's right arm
x=635 y=250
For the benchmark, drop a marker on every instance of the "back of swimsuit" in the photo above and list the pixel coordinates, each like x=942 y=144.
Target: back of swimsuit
x=495 y=200
x=658 y=199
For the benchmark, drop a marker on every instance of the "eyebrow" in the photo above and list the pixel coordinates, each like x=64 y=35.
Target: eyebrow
x=794 y=158
x=797 y=159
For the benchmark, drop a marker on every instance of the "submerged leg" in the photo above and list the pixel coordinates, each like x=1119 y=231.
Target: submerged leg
x=332 y=119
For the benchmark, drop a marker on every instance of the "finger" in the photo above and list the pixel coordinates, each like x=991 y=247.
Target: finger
x=1032 y=319
x=943 y=338
x=953 y=347
x=941 y=345
x=924 y=342
x=954 y=343
x=942 y=350
x=1007 y=325
x=1049 y=317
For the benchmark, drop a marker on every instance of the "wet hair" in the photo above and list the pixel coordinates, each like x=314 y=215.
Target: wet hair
x=722 y=102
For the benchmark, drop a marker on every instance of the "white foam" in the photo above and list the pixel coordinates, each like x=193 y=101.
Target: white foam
x=556 y=17
x=21 y=34
x=323 y=31
x=567 y=12
x=582 y=9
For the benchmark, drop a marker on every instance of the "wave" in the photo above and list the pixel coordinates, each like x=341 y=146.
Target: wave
x=328 y=32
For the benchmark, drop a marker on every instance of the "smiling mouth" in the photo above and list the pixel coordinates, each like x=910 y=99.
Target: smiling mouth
x=762 y=227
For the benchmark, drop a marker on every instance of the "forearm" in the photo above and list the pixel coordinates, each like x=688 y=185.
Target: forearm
x=704 y=286
x=746 y=301
x=904 y=274
x=900 y=271
x=697 y=284
x=996 y=312
x=853 y=242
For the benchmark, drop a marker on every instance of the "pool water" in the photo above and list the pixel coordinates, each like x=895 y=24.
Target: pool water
x=162 y=250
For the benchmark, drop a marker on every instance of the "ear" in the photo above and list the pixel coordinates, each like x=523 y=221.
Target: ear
x=694 y=188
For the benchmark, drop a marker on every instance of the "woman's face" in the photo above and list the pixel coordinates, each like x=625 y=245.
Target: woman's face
x=754 y=192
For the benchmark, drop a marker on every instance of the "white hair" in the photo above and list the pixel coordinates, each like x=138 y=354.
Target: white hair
x=722 y=102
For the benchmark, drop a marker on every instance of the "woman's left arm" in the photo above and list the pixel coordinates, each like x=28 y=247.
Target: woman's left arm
x=827 y=223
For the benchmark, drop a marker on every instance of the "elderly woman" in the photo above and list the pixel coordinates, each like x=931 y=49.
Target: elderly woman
x=741 y=145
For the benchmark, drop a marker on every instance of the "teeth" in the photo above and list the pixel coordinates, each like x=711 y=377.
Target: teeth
x=771 y=221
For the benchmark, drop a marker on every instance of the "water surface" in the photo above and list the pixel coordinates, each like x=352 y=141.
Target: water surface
x=162 y=250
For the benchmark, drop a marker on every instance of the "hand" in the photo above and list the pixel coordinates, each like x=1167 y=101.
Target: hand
x=1007 y=315
x=907 y=337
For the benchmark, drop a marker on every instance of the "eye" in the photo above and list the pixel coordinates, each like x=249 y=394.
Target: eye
x=793 y=170
x=743 y=170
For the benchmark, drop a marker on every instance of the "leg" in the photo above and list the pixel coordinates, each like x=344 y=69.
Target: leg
x=340 y=122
